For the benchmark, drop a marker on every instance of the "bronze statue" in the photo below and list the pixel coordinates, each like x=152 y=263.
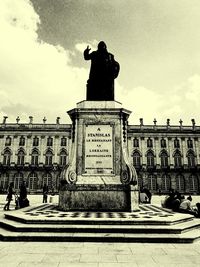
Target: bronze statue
x=104 y=69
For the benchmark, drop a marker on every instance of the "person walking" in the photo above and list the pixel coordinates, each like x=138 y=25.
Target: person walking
x=45 y=193
x=9 y=196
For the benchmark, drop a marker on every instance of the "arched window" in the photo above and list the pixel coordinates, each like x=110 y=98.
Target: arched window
x=6 y=157
x=150 y=159
x=136 y=159
x=20 y=157
x=33 y=181
x=193 y=183
x=63 y=158
x=191 y=159
x=34 y=157
x=180 y=183
x=22 y=141
x=152 y=182
x=49 y=141
x=136 y=142
x=35 y=141
x=4 y=179
x=47 y=179
x=149 y=142
x=164 y=159
x=163 y=143
x=18 y=179
x=189 y=143
x=8 y=141
x=176 y=143
x=165 y=183
x=177 y=159
x=48 y=158
x=63 y=141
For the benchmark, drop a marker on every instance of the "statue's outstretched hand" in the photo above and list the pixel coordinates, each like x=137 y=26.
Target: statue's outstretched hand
x=88 y=49
x=86 y=53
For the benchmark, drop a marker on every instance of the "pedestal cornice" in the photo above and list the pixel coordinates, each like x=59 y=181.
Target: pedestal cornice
x=98 y=107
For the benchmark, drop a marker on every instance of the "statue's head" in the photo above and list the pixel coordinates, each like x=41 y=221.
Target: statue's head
x=102 y=46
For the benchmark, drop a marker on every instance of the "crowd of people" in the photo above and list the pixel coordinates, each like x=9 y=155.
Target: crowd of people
x=174 y=200
x=178 y=203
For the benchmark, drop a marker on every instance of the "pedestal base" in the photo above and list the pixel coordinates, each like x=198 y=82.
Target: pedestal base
x=94 y=197
x=100 y=171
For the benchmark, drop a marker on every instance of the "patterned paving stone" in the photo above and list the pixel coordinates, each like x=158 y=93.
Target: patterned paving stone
x=146 y=211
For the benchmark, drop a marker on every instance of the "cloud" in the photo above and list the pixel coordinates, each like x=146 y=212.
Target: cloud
x=38 y=79
x=33 y=73
x=193 y=94
x=178 y=102
x=143 y=103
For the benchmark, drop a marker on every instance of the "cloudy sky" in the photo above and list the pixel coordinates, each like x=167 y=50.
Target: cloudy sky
x=156 y=42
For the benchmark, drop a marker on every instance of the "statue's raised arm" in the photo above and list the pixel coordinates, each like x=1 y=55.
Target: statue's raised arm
x=87 y=53
x=104 y=69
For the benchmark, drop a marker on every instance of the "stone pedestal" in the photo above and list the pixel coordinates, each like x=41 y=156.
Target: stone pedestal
x=97 y=197
x=99 y=172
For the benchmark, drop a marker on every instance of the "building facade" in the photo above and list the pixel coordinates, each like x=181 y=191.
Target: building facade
x=164 y=156
x=32 y=152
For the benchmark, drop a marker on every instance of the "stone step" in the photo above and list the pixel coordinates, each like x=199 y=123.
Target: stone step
x=17 y=226
x=187 y=237
x=150 y=224
x=69 y=218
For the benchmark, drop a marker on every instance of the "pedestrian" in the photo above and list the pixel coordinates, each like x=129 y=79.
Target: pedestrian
x=23 y=200
x=9 y=196
x=45 y=193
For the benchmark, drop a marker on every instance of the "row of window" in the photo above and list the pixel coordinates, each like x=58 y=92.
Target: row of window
x=33 y=183
x=34 y=157
x=166 y=183
x=164 y=159
x=63 y=141
x=163 y=143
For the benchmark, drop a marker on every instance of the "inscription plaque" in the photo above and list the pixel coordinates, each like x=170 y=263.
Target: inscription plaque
x=98 y=149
